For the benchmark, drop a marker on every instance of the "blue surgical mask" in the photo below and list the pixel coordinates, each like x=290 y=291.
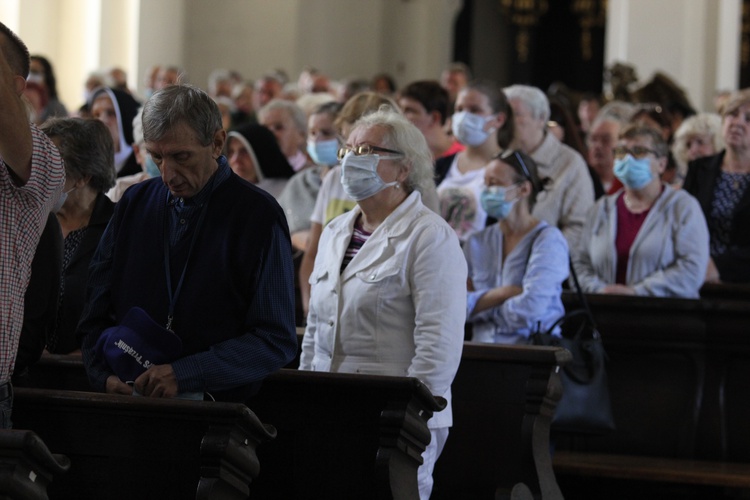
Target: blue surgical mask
x=323 y=152
x=494 y=202
x=468 y=128
x=633 y=173
x=151 y=169
x=359 y=175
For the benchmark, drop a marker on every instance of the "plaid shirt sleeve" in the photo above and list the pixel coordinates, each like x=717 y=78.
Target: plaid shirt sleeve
x=23 y=213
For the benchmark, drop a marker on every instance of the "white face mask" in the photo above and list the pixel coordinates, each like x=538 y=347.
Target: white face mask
x=359 y=175
x=468 y=128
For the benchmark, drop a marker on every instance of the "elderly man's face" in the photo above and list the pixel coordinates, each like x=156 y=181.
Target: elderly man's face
x=453 y=82
x=601 y=140
x=166 y=77
x=185 y=164
x=266 y=90
x=528 y=129
x=289 y=137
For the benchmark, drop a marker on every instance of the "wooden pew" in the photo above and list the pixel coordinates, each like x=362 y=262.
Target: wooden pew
x=503 y=397
x=27 y=466
x=679 y=380
x=342 y=435
x=353 y=435
x=132 y=447
x=503 y=400
x=56 y=371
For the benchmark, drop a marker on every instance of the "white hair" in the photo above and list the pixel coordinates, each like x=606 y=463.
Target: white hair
x=708 y=124
x=532 y=97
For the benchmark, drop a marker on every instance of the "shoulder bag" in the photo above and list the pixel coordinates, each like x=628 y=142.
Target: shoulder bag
x=585 y=406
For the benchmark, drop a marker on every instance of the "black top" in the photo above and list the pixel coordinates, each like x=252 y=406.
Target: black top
x=701 y=179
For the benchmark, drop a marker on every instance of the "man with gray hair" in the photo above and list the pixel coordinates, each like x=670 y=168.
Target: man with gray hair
x=288 y=122
x=267 y=88
x=199 y=254
x=601 y=140
x=568 y=197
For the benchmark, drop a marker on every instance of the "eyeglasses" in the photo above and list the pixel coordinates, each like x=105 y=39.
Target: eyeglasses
x=637 y=152
x=364 y=150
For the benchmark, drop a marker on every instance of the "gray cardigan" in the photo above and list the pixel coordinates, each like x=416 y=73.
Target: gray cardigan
x=565 y=202
x=668 y=257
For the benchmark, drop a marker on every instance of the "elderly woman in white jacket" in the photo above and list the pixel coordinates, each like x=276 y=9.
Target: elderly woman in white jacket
x=648 y=238
x=388 y=286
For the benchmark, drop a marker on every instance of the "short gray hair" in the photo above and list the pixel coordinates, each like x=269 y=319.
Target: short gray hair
x=403 y=136
x=296 y=112
x=532 y=97
x=86 y=148
x=181 y=104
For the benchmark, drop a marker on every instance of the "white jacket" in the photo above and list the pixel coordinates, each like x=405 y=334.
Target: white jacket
x=398 y=308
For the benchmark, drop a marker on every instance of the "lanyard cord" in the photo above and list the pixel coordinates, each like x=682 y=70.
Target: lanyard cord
x=174 y=294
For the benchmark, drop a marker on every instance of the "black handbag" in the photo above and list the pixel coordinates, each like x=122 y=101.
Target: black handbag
x=585 y=406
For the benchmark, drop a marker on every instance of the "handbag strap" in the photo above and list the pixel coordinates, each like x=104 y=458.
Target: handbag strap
x=579 y=292
x=582 y=298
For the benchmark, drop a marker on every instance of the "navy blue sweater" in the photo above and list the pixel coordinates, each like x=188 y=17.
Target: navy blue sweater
x=235 y=310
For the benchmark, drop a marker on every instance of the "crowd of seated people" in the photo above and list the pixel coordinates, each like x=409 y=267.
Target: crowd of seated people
x=467 y=123
x=521 y=185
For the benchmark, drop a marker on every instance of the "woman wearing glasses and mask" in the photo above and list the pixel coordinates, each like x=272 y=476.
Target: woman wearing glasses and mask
x=516 y=266
x=388 y=283
x=648 y=238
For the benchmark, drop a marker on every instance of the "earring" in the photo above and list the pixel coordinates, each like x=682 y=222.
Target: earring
x=397 y=186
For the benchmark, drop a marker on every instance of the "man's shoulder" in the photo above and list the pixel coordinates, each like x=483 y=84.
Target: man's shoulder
x=238 y=190
x=149 y=187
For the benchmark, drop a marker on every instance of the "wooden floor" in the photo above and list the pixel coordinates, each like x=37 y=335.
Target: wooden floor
x=593 y=476
x=735 y=475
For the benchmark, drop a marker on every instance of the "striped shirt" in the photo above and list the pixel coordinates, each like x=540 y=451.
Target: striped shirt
x=23 y=214
x=359 y=237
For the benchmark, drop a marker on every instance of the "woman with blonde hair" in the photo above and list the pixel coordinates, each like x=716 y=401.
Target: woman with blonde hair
x=697 y=137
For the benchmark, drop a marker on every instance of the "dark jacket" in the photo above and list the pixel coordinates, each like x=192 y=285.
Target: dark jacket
x=227 y=346
x=40 y=301
x=76 y=276
x=734 y=265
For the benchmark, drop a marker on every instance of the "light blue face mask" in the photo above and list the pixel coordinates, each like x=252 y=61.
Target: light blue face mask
x=468 y=128
x=359 y=175
x=151 y=169
x=633 y=173
x=323 y=152
x=493 y=200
